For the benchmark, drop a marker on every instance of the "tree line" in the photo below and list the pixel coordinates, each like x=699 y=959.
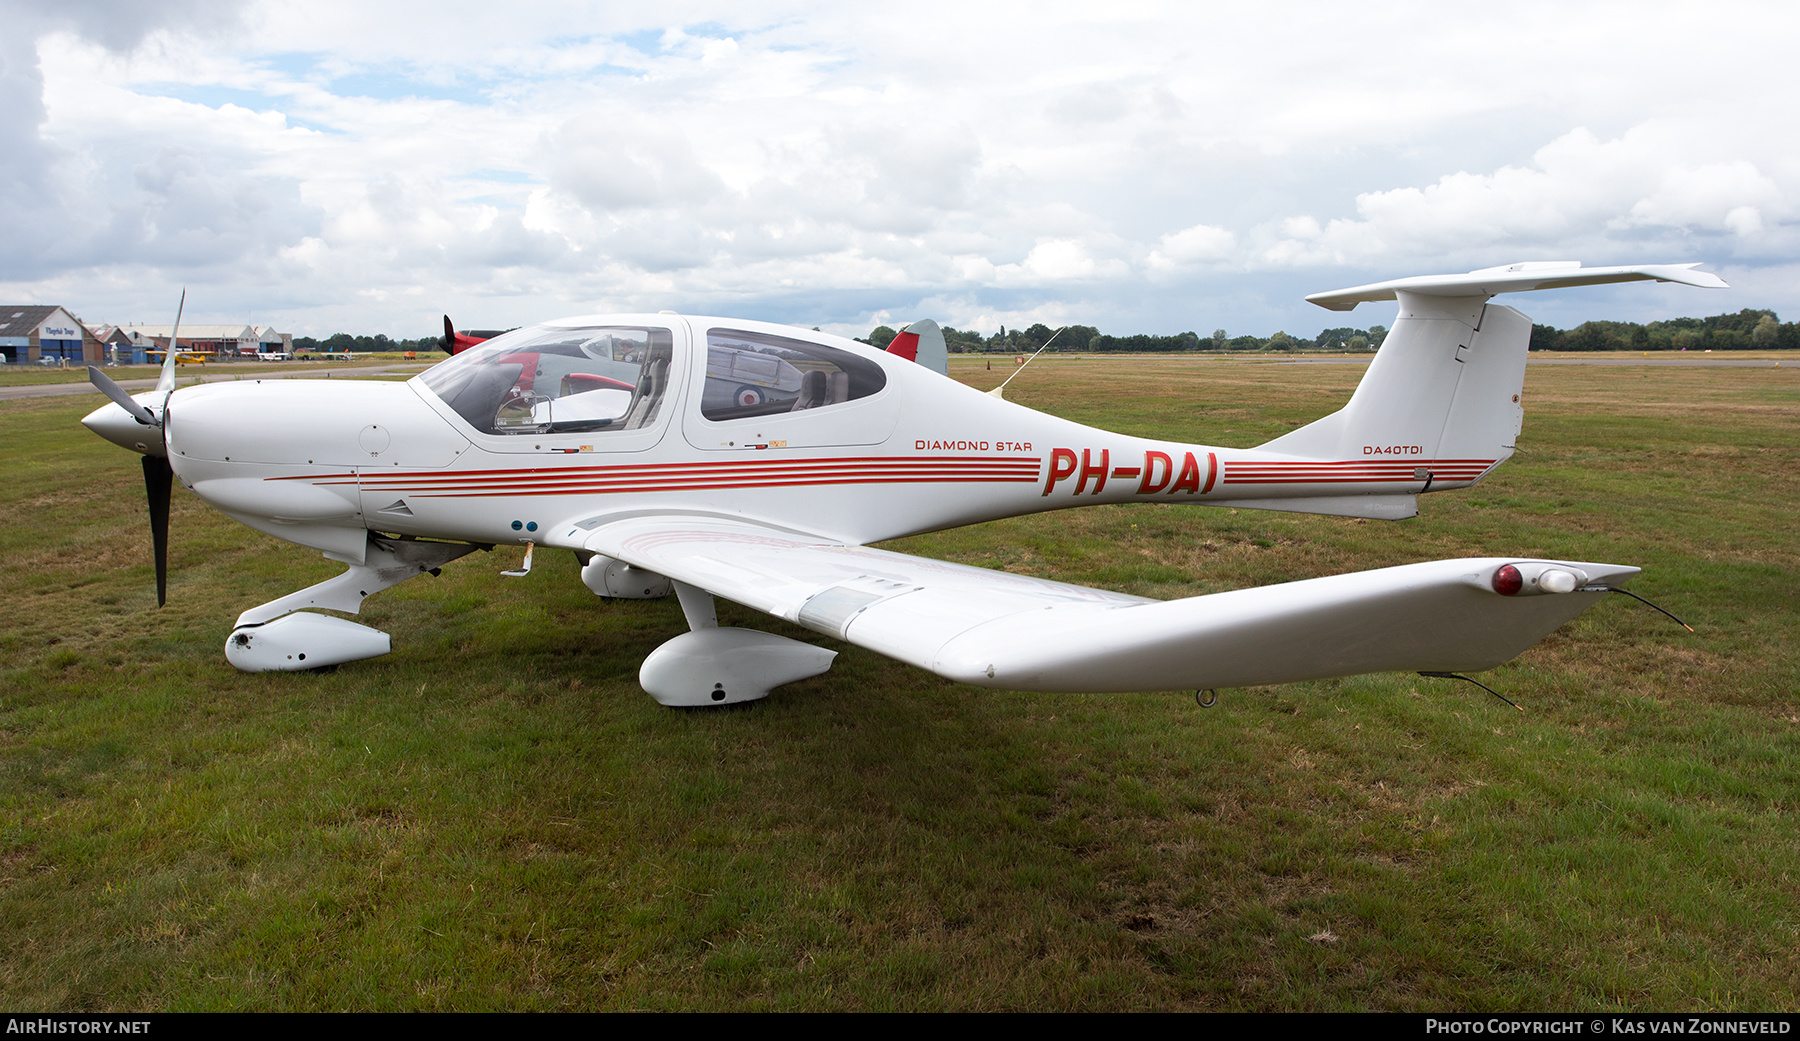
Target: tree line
x=342 y=343
x=1086 y=339
x=1749 y=329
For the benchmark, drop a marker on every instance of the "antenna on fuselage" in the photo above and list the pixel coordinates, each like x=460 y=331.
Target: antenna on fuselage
x=995 y=393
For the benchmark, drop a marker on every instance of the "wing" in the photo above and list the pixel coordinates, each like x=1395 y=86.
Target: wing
x=995 y=629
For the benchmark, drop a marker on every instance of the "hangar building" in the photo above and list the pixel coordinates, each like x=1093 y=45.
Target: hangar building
x=224 y=341
x=30 y=332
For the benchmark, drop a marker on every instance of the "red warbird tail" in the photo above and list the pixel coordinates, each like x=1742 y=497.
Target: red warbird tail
x=455 y=342
x=923 y=342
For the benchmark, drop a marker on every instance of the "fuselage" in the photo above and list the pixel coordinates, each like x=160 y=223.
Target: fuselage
x=889 y=449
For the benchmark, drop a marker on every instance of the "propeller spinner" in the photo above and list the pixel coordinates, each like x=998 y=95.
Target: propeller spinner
x=456 y=343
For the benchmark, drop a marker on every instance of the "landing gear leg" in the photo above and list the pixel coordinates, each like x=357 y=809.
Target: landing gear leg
x=724 y=666
x=273 y=637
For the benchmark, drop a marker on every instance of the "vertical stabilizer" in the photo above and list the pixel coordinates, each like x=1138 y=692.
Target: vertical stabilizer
x=1445 y=391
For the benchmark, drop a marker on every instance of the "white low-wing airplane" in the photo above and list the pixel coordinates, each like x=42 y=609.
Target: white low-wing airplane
x=716 y=457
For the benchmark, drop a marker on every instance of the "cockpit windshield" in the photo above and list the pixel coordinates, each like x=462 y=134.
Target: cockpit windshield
x=558 y=380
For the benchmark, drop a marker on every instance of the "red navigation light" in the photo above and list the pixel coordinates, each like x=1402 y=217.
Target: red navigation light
x=1508 y=581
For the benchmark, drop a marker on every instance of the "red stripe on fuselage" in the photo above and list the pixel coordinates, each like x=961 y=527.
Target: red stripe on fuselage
x=1352 y=471
x=689 y=476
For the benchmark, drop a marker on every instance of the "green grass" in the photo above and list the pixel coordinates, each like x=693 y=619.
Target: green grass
x=495 y=816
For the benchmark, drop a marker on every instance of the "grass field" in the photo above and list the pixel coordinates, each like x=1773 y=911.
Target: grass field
x=496 y=816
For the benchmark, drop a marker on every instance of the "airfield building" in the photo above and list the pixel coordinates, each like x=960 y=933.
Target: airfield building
x=224 y=341
x=32 y=333
x=52 y=335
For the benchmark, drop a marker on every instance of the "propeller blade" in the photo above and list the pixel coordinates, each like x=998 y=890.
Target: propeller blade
x=158 y=479
x=165 y=381
x=120 y=398
x=449 y=336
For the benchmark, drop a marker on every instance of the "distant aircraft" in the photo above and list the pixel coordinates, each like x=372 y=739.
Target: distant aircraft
x=182 y=357
x=718 y=457
x=455 y=342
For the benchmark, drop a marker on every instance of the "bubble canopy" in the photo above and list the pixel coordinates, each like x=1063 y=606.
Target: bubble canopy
x=558 y=379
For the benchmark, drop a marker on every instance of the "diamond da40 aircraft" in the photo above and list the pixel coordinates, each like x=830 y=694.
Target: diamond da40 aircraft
x=714 y=457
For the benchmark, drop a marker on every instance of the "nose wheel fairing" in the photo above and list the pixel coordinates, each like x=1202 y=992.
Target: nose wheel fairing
x=303 y=641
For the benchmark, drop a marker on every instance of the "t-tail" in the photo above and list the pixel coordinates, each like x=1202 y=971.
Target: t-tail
x=1443 y=401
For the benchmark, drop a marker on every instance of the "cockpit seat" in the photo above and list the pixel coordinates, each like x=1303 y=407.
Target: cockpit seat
x=813 y=390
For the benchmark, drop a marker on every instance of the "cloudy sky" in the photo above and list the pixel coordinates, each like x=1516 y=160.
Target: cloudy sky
x=1140 y=167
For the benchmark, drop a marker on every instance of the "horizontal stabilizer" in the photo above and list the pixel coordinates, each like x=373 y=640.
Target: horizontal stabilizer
x=996 y=629
x=1516 y=278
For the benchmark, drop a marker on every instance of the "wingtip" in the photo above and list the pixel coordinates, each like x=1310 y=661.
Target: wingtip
x=1698 y=279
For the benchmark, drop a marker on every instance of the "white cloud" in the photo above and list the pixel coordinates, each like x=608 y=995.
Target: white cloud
x=818 y=162
x=1200 y=244
x=1744 y=220
x=1579 y=191
x=1058 y=260
x=1715 y=195
x=610 y=163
